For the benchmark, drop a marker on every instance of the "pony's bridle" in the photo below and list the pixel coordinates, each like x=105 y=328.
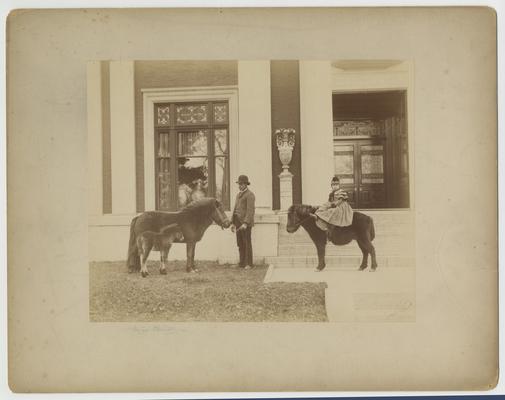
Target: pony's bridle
x=221 y=223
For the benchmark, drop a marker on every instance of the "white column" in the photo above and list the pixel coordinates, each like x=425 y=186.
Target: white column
x=122 y=130
x=255 y=126
x=94 y=111
x=316 y=124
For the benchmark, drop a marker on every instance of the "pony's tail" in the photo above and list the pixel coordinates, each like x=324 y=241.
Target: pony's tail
x=372 y=229
x=133 y=258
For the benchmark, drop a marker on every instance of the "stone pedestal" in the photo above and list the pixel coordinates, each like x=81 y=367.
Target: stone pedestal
x=286 y=189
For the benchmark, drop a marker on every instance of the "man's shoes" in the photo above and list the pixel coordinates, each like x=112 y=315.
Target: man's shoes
x=249 y=267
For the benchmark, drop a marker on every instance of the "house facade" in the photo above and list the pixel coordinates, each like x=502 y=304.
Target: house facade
x=164 y=133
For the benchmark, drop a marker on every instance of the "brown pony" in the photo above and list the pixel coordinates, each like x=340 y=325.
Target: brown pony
x=192 y=221
x=362 y=230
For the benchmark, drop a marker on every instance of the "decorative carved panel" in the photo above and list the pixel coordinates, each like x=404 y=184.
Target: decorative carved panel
x=163 y=115
x=191 y=114
x=357 y=128
x=220 y=113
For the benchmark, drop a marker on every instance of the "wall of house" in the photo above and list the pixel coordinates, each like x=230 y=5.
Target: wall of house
x=172 y=74
x=116 y=156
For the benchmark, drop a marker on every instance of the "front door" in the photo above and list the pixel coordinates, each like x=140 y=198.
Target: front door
x=359 y=164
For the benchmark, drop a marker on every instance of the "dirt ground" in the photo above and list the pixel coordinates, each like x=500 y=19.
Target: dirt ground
x=217 y=293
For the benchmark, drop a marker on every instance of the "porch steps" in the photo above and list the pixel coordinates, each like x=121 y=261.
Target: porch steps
x=344 y=261
x=394 y=245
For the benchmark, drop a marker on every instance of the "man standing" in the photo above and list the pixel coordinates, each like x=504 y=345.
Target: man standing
x=243 y=221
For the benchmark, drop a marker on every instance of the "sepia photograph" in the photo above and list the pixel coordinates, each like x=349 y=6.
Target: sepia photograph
x=269 y=189
x=252 y=200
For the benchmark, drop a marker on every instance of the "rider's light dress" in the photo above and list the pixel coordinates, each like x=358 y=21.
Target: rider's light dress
x=336 y=211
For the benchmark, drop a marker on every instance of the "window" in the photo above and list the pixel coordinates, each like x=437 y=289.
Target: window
x=191 y=153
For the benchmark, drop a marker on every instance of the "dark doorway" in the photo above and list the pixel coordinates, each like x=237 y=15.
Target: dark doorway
x=371 y=148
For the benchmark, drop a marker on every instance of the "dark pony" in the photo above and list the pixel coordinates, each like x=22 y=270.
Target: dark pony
x=193 y=221
x=362 y=230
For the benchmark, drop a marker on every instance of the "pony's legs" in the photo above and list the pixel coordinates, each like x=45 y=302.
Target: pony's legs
x=364 y=250
x=367 y=247
x=163 y=256
x=321 y=252
x=146 y=249
x=374 y=260
x=190 y=257
x=193 y=258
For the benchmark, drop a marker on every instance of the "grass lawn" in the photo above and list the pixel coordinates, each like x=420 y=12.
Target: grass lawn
x=217 y=293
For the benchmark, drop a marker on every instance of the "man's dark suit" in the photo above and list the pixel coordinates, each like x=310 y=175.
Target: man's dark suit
x=243 y=213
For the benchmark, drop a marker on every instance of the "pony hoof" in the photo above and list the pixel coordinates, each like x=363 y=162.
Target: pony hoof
x=144 y=274
x=362 y=268
x=163 y=271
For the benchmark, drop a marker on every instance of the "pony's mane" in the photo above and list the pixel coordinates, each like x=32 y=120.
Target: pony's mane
x=302 y=209
x=207 y=204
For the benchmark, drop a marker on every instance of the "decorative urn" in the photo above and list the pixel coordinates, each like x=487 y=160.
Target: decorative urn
x=285 y=143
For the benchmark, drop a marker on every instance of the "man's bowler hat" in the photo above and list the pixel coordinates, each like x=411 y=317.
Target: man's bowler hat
x=243 y=179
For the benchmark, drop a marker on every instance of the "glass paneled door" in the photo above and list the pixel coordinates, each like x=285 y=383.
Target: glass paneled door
x=360 y=166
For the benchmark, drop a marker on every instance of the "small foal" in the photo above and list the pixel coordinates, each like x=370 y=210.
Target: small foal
x=161 y=241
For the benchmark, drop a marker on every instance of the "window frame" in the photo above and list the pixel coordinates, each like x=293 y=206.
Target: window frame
x=182 y=95
x=173 y=129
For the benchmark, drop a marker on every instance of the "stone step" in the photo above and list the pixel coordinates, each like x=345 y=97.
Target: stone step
x=349 y=261
x=345 y=251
